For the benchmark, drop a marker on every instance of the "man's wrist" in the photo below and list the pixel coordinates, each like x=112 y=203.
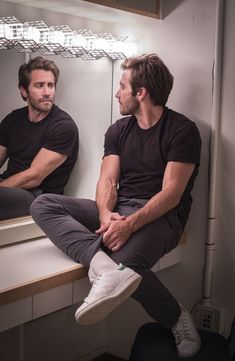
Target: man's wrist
x=131 y=221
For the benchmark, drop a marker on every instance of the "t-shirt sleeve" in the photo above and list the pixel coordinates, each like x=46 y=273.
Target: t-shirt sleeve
x=111 y=141
x=62 y=137
x=4 y=131
x=185 y=144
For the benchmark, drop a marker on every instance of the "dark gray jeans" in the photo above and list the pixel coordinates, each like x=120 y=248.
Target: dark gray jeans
x=15 y=202
x=70 y=223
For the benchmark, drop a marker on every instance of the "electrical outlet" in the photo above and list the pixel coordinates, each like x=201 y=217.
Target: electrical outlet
x=209 y=318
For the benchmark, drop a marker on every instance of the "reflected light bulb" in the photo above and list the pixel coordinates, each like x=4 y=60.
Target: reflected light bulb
x=100 y=43
x=79 y=40
x=33 y=33
x=9 y=32
x=57 y=36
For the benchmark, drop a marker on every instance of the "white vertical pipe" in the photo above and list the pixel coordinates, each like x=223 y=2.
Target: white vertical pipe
x=27 y=57
x=214 y=147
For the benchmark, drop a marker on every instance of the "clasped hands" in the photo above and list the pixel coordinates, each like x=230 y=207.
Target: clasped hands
x=115 y=229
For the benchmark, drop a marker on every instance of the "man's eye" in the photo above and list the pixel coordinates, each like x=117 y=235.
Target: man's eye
x=51 y=85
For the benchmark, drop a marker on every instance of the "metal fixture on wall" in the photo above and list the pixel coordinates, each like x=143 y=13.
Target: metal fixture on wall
x=34 y=36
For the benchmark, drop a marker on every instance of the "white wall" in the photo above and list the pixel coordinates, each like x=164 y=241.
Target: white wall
x=224 y=276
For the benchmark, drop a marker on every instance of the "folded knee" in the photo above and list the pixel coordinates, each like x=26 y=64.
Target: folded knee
x=40 y=204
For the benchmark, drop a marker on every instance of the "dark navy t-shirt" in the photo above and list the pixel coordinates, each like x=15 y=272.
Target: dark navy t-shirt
x=23 y=139
x=144 y=153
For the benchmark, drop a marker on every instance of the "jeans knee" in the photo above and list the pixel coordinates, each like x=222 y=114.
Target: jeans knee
x=39 y=204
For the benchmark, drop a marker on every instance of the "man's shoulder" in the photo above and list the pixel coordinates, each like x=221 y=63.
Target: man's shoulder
x=18 y=112
x=123 y=122
x=176 y=118
x=178 y=124
x=59 y=117
x=58 y=113
x=15 y=115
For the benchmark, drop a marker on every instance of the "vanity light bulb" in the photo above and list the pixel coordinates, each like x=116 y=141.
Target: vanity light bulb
x=79 y=40
x=9 y=34
x=100 y=44
x=57 y=37
x=13 y=31
x=32 y=33
x=117 y=46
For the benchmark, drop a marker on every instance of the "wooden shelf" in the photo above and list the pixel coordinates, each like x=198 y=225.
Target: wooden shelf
x=150 y=8
x=18 y=229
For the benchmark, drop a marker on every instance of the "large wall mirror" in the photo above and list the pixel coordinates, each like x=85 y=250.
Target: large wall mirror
x=83 y=90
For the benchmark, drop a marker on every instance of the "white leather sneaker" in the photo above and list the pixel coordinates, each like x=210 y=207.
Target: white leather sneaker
x=187 y=339
x=108 y=291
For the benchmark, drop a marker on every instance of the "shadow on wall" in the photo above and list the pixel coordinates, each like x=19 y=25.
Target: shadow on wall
x=170 y=5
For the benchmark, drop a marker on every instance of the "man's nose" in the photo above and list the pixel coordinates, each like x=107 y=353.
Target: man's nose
x=46 y=90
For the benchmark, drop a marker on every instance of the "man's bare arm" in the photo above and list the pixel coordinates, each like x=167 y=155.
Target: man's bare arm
x=106 y=190
x=175 y=180
x=45 y=162
x=3 y=155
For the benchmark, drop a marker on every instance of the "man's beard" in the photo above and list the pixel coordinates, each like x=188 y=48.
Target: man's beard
x=42 y=105
x=130 y=108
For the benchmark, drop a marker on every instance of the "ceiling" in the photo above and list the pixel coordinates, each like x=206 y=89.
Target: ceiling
x=82 y=9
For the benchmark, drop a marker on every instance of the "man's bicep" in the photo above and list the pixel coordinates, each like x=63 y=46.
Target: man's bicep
x=3 y=154
x=177 y=175
x=46 y=161
x=110 y=168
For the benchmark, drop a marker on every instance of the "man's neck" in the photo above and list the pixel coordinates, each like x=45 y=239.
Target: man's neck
x=36 y=116
x=147 y=117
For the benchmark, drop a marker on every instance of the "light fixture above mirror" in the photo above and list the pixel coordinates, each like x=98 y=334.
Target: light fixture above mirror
x=34 y=36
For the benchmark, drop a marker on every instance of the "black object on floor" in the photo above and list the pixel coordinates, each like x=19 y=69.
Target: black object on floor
x=153 y=343
x=107 y=357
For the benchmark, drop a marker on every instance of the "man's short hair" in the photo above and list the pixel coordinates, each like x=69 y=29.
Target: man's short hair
x=150 y=72
x=34 y=64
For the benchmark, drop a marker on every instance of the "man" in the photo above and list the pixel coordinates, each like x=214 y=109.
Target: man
x=150 y=161
x=39 y=141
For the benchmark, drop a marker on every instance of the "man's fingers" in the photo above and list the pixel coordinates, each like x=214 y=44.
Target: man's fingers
x=103 y=228
x=117 y=217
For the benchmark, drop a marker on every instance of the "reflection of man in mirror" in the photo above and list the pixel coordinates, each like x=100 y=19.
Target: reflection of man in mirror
x=143 y=199
x=39 y=141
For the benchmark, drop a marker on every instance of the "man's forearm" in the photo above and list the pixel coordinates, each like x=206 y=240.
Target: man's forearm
x=23 y=179
x=156 y=207
x=106 y=196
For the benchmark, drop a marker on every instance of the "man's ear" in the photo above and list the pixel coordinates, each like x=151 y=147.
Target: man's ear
x=141 y=93
x=24 y=93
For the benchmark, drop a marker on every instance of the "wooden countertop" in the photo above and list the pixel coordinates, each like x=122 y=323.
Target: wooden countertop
x=32 y=267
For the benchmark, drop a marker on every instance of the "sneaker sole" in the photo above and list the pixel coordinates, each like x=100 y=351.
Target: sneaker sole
x=181 y=355
x=101 y=308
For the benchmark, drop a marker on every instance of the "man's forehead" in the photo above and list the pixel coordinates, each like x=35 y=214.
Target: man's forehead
x=41 y=74
x=126 y=75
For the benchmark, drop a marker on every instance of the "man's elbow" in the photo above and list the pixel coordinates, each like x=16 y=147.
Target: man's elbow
x=35 y=179
x=176 y=198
